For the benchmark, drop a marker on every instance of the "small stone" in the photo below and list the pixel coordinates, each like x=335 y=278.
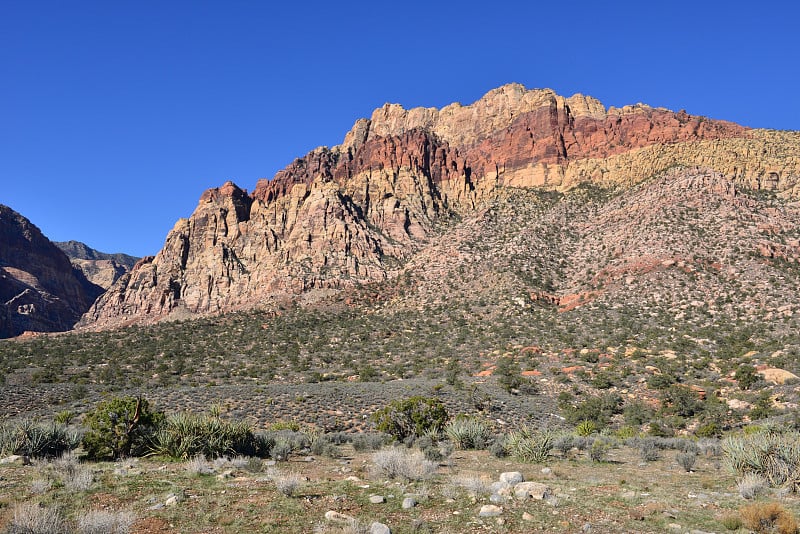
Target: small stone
x=587 y=527
x=377 y=499
x=379 y=528
x=353 y=478
x=533 y=490
x=497 y=498
x=157 y=506
x=15 y=459
x=511 y=477
x=409 y=502
x=675 y=526
x=526 y=516
x=337 y=517
x=172 y=500
x=308 y=459
x=546 y=471
x=490 y=510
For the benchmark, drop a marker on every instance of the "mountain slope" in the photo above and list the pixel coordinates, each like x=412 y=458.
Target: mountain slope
x=39 y=288
x=99 y=268
x=370 y=209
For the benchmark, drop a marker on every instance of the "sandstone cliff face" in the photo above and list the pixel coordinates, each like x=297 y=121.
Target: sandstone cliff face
x=360 y=211
x=39 y=288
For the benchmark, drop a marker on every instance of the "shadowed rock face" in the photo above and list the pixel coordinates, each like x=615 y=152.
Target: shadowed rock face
x=39 y=288
x=360 y=211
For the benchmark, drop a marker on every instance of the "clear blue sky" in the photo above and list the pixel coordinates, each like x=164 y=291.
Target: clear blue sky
x=116 y=115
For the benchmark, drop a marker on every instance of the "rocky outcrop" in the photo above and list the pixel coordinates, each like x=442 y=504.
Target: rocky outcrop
x=40 y=290
x=100 y=268
x=358 y=212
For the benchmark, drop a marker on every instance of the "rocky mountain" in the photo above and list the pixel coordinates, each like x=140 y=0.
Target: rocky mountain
x=99 y=268
x=404 y=192
x=40 y=290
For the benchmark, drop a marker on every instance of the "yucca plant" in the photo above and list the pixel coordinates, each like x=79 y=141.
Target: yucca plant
x=529 y=446
x=468 y=433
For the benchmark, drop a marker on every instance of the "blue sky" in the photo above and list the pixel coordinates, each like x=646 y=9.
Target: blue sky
x=116 y=116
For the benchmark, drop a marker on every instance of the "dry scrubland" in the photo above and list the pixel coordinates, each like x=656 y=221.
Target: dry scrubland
x=595 y=483
x=543 y=312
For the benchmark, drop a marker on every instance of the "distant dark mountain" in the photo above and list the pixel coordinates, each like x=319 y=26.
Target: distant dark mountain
x=40 y=289
x=100 y=268
x=76 y=250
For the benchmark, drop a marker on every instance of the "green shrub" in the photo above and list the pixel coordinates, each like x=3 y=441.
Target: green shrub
x=708 y=430
x=597 y=409
x=411 y=417
x=119 y=427
x=746 y=376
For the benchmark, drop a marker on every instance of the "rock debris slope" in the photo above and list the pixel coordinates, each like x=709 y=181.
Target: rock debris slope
x=375 y=206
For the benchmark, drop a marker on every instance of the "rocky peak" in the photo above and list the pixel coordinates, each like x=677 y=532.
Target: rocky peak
x=359 y=212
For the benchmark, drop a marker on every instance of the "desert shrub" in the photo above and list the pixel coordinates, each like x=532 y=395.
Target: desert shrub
x=281 y=450
x=648 y=449
x=199 y=465
x=596 y=409
x=508 y=373
x=474 y=486
x=775 y=457
x=37 y=440
x=105 y=522
x=680 y=400
x=708 y=430
x=586 y=428
x=686 y=460
x=369 y=441
x=186 y=435
x=564 y=443
x=530 y=446
x=768 y=517
x=498 y=448
x=32 y=518
x=287 y=483
x=599 y=449
x=731 y=521
x=709 y=447
x=119 y=427
x=399 y=462
x=411 y=417
x=322 y=445
x=468 y=433
x=746 y=376
x=751 y=485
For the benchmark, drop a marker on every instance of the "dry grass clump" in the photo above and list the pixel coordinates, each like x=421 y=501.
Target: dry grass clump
x=752 y=485
x=402 y=463
x=32 y=518
x=105 y=522
x=769 y=517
